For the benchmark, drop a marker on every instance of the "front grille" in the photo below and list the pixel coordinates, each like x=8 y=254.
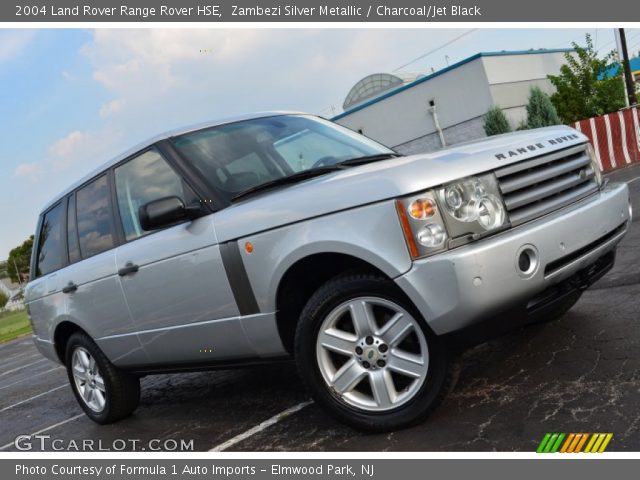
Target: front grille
x=535 y=187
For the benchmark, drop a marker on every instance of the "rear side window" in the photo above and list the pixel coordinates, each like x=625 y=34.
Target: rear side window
x=72 y=233
x=95 y=225
x=141 y=180
x=50 y=242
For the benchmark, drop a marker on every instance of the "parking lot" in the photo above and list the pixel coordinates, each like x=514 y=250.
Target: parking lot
x=578 y=374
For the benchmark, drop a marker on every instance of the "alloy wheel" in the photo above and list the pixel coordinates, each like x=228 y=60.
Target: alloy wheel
x=372 y=354
x=88 y=379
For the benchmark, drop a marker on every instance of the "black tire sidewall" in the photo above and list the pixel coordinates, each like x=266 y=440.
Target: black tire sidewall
x=328 y=297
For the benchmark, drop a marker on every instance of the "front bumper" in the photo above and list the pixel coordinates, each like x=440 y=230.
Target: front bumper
x=469 y=284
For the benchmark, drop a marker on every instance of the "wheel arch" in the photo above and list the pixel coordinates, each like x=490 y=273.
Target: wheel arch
x=297 y=284
x=61 y=335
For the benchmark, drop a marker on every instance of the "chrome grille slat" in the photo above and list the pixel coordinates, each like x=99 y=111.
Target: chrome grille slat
x=538 y=186
x=546 y=189
x=524 y=179
x=541 y=208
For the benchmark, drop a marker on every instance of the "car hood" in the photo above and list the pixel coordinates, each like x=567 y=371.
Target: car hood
x=386 y=179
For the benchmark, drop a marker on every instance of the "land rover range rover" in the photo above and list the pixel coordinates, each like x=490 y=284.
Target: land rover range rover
x=286 y=236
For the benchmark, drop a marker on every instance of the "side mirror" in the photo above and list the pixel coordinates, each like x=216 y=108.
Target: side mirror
x=164 y=212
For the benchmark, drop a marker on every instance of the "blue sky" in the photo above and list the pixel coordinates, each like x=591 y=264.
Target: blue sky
x=72 y=98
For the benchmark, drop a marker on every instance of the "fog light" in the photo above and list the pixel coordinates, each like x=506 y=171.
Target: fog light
x=527 y=261
x=432 y=235
x=524 y=262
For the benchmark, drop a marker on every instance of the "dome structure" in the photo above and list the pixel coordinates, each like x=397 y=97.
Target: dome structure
x=370 y=86
x=375 y=84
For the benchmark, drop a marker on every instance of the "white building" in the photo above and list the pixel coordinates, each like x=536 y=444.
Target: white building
x=12 y=292
x=448 y=105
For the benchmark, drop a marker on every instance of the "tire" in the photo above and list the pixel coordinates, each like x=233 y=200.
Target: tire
x=554 y=312
x=120 y=392
x=381 y=397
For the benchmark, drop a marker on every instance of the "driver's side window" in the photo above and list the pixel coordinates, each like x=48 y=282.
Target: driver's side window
x=141 y=180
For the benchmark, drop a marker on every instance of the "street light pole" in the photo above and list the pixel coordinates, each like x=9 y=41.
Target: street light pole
x=630 y=97
x=15 y=265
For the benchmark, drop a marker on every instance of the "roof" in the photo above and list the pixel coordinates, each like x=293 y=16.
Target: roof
x=157 y=138
x=426 y=78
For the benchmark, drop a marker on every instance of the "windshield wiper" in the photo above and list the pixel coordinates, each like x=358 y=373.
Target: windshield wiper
x=369 y=159
x=296 y=177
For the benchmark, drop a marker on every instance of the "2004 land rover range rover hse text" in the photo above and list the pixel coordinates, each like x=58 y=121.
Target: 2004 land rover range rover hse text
x=280 y=236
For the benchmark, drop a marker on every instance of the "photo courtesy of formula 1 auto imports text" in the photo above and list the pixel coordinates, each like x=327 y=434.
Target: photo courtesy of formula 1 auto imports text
x=259 y=240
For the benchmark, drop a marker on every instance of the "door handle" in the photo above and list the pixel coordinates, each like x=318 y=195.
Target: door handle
x=128 y=269
x=70 y=288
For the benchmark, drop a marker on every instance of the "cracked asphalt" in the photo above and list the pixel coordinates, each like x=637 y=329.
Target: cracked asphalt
x=580 y=373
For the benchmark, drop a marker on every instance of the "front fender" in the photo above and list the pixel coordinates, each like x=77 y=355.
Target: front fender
x=370 y=233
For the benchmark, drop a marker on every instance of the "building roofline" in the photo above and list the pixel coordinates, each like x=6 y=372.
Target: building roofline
x=426 y=78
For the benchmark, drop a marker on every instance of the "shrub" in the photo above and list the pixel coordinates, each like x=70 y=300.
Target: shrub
x=540 y=110
x=495 y=122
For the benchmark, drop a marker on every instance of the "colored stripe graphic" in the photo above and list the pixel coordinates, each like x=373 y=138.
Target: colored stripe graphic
x=606 y=442
x=567 y=443
x=574 y=442
x=543 y=443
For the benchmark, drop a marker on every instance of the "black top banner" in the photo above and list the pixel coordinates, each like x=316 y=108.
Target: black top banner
x=318 y=11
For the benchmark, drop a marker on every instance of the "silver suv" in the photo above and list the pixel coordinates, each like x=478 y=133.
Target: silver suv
x=284 y=235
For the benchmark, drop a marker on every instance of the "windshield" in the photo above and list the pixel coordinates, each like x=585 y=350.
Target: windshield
x=240 y=156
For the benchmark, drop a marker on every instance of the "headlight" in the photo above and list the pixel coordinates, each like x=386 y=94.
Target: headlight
x=597 y=173
x=472 y=206
x=422 y=224
x=435 y=220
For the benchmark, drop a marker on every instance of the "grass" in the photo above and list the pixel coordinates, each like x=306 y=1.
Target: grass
x=14 y=325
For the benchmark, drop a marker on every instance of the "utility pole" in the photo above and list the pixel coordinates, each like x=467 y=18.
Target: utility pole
x=621 y=39
x=15 y=265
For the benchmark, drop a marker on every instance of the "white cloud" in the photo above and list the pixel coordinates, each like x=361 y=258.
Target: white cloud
x=65 y=146
x=33 y=171
x=13 y=43
x=109 y=108
x=81 y=147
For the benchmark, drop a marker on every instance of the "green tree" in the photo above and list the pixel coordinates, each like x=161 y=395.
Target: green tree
x=3 y=300
x=540 y=110
x=583 y=87
x=495 y=122
x=4 y=273
x=20 y=257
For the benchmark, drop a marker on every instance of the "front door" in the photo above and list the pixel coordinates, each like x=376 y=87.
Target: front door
x=173 y=279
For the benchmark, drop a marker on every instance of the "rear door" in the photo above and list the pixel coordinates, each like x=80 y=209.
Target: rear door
x=173 y=279
x=93 y=295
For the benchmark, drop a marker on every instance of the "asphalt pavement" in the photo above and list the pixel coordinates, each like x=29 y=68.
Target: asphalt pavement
x=580 y=373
